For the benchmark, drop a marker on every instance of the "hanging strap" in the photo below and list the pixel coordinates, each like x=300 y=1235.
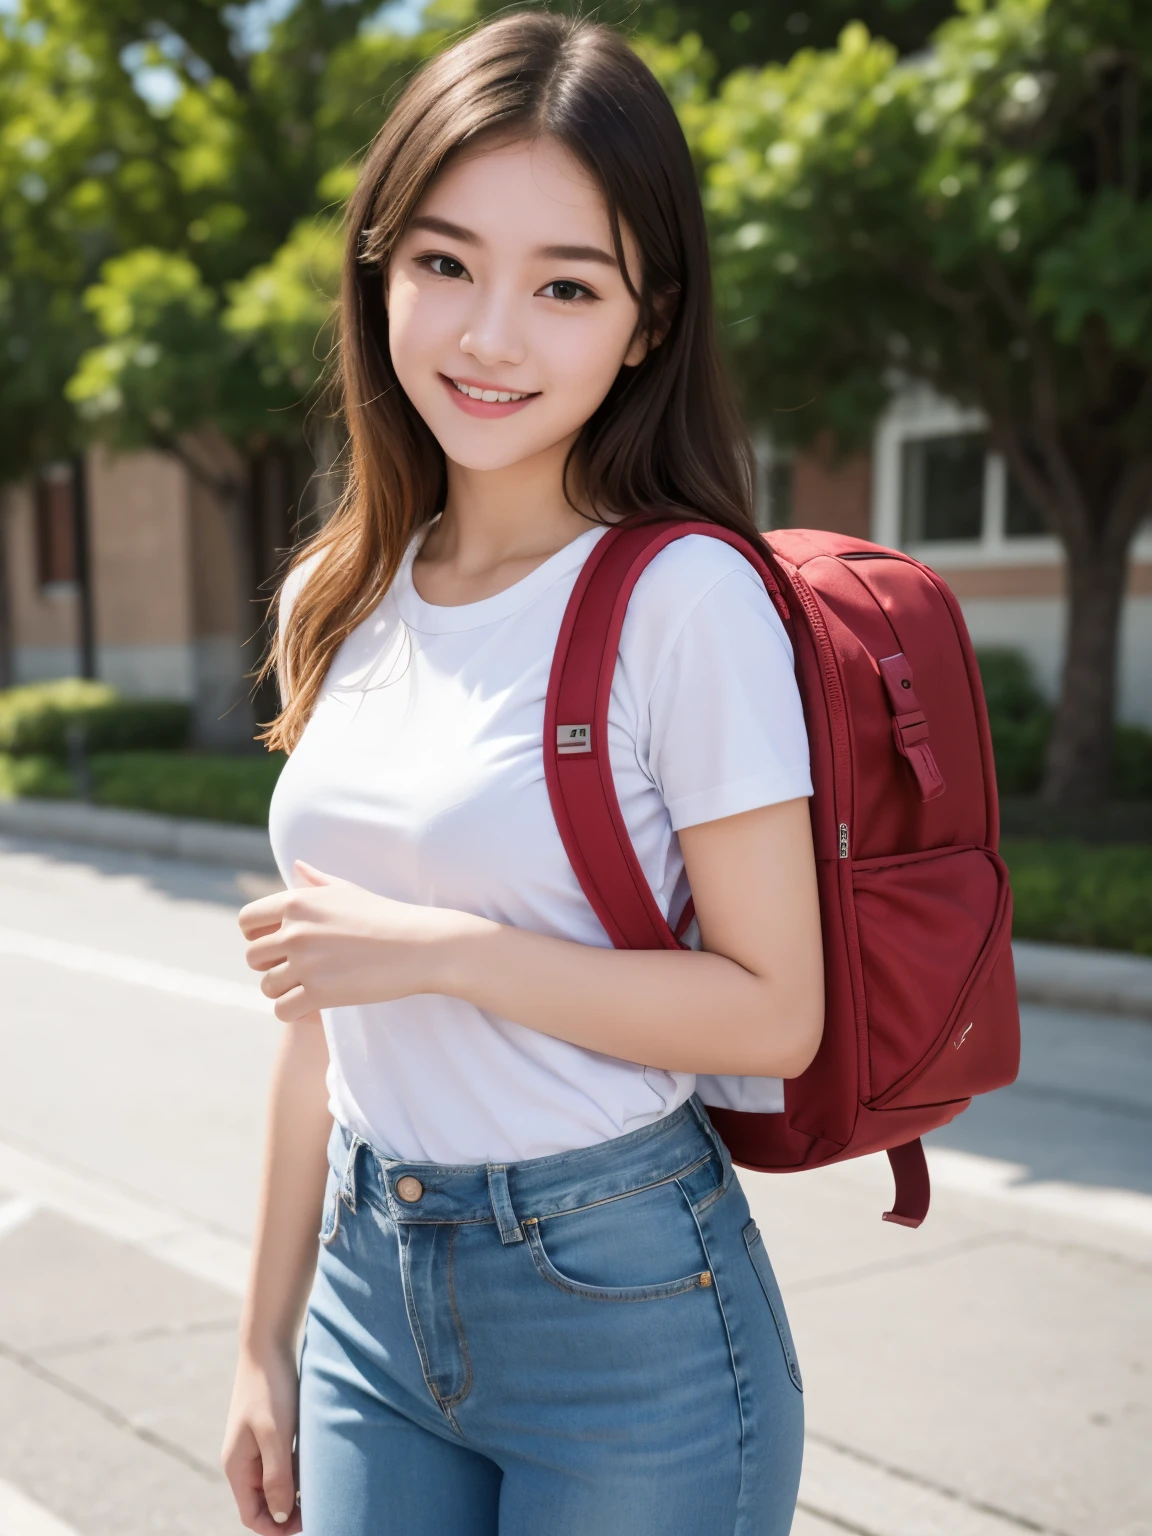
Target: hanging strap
x=913 y=1186
x=910 y=725
x=576 y=763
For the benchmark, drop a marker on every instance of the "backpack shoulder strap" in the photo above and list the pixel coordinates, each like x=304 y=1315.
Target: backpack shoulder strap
x=576 y=763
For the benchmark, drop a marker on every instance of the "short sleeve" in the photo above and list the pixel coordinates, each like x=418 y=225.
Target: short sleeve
x=725 y=727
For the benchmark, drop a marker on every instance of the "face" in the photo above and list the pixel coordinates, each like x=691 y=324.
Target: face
x=504 y=285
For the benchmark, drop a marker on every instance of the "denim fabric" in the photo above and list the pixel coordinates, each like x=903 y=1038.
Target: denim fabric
x=590 y=1344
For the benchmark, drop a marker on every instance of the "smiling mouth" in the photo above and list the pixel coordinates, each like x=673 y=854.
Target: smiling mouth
x=491 y=396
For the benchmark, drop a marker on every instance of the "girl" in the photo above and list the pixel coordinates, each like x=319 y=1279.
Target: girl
x=539 y=1305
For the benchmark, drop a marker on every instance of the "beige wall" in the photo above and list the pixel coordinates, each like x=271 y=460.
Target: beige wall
x=138 y=530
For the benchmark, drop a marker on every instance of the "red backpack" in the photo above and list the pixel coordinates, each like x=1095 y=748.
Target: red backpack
x=916 y=912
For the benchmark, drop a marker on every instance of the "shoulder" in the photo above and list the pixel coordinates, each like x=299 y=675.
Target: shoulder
x=701 y=586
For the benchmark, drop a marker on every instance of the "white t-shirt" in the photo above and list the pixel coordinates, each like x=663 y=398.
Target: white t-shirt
x=420 y=775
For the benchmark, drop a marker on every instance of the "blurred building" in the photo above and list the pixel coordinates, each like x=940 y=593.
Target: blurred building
x=932 y=486
x=130 y=569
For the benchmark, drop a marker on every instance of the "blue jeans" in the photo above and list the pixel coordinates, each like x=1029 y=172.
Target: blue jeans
x=590 y=1344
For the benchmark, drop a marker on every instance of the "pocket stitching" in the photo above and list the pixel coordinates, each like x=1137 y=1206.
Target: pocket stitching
x=753 y=1235
x=548 y=1271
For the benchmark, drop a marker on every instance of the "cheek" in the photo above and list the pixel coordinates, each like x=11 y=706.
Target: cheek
x=415 y=331
x=587 y=357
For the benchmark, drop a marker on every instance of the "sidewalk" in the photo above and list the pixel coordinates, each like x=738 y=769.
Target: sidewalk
x=987 y=1375
x=1055 y=974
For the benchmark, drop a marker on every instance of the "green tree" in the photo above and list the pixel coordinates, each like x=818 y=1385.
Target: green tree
x=170 y=196
x=979 y=220
x=744 y=32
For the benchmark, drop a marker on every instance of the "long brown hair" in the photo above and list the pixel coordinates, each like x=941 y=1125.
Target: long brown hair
x=667 y=437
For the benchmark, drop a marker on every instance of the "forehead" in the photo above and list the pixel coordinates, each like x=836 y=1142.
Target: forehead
x=512 y=190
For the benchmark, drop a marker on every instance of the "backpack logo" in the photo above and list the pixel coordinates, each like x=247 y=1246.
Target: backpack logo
x=571 y=739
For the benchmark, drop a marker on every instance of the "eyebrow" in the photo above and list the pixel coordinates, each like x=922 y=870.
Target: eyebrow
x=437 y=226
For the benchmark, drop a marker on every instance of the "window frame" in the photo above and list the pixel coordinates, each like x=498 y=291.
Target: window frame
x=920 y=413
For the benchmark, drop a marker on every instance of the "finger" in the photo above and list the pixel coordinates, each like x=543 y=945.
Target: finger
x=294 y=1006
x=244 y=1474
x=310 y=875
x=277 y=980
x=260 y=916
x=279 y=1483
x=265 y=952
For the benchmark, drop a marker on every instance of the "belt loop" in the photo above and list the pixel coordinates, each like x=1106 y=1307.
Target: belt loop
x=502 y=1204
x=696 y=1105
x=348 y=1182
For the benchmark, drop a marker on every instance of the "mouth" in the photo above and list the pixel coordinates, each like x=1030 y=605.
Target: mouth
x=486 y=400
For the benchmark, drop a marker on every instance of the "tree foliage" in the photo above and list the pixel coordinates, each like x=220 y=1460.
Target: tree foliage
x=748 y=32
x=977 y=220
x=168 y=210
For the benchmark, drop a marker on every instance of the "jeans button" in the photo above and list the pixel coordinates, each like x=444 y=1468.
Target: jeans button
x=409 y=1189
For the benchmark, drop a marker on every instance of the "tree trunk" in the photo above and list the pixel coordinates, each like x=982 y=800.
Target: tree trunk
x=1079 y=760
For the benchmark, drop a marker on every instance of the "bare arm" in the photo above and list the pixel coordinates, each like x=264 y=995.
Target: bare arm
x=751 y=1002
x=257 y=1453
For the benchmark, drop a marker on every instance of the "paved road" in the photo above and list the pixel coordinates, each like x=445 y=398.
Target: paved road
x=988 y=1375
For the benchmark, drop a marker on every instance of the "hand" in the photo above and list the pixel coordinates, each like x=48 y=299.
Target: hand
x=257 y=1453
x=328 y=943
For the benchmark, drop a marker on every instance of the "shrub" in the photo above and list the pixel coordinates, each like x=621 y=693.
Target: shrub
x=1076 y=893
x=35 y=719
x=1132 y=763
x=204 y=785
x=1021 y=722
x=43 y=778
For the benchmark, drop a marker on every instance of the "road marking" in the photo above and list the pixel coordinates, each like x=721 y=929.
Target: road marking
x=13 y=1214
x=170 y=1236
x=22 y=1516
x=172 y=979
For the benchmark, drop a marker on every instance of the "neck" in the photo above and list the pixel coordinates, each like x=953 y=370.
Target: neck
x=518 y=512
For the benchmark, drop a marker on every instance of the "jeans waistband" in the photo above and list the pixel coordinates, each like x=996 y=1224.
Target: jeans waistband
x=509 y=1193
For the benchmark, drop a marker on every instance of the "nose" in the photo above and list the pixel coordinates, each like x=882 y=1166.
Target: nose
x=494 y=332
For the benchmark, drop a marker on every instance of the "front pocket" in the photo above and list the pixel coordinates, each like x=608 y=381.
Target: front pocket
x=757 y=1252
x=929 y=925
x=621 y=1249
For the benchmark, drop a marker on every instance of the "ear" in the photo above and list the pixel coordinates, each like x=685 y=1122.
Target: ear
x=664 y=304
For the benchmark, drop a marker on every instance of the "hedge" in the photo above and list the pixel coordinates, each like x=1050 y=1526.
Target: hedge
x=208 y=786
x=34 y=719
x=1021 y=721
x=1081 y=893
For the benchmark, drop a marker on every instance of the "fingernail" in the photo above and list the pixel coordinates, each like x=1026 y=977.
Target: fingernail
x=279 y=1519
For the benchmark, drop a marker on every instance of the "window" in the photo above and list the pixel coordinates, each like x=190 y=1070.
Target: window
x=942 y=488
x=56 y=527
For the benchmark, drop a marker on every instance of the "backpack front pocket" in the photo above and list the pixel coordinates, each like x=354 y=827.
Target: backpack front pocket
x=930 y=926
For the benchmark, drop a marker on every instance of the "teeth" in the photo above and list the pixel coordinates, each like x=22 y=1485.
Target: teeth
x=475 y=393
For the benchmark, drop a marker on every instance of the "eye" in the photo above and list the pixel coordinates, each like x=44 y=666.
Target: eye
x=568 y=291
x=450 y=266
